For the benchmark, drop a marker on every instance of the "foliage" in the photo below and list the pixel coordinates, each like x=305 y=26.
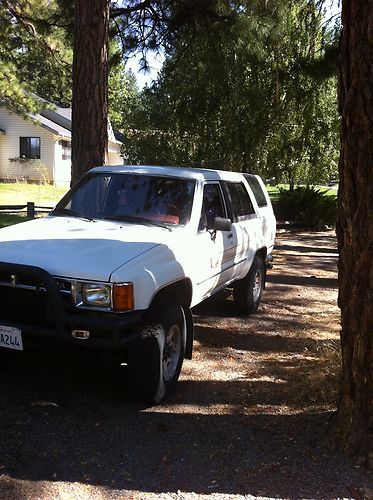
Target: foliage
x=124 y=96
x=24 y=161
x=242 y=98
x=35 y=54
x=150 y=25
x=244 y=86
x=36 y=58
x=308 y=205
x=156 y=147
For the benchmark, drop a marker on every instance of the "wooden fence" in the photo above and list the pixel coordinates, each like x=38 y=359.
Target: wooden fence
x=30 y=209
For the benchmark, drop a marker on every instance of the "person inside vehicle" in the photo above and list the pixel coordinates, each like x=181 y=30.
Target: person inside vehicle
x=127 y=193
x=212 y=206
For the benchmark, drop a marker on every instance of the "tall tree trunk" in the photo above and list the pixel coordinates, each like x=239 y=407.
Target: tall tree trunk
x=354 y=422
x=90 y=83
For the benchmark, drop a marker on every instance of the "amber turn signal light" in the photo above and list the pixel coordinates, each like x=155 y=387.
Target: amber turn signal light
x=123 y=299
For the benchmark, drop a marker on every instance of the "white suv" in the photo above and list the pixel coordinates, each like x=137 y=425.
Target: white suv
x=126 y=254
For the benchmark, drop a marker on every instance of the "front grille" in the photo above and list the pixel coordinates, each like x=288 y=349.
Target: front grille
x=29 y=295
x=8 y=279
x=25 y=306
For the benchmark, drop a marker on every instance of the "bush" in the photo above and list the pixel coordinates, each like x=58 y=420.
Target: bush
x=307 y=205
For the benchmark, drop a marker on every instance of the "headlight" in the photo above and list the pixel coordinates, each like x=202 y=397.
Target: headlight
x=96 y=294
x=118 y=297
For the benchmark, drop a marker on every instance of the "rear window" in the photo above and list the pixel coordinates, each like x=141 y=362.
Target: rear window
x=257 y=190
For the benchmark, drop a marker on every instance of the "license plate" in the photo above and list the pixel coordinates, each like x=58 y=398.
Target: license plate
x=11 y=337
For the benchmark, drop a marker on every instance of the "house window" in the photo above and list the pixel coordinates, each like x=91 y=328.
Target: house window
x=66 y=150
x=29 y=147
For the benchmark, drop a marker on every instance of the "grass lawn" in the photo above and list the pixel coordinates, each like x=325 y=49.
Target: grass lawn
x=20 y=193
x=273 y=191
x=9 y=220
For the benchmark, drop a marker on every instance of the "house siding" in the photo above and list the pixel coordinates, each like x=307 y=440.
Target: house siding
x=62 y=168
x=113 y=157
x=51 y=168
x=16 y=127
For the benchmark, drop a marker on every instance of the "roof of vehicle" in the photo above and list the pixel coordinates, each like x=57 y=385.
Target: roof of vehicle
x=184 y=172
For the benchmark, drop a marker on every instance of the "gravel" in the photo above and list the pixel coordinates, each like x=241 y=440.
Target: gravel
x=249 y=418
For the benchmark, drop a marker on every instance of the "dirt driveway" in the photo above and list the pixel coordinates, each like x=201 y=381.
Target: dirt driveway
x=248 y=419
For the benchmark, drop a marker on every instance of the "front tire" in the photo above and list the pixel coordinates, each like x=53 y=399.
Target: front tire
x=156 y=358
x=247 y=292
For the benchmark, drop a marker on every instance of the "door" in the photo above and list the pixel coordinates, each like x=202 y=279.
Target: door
x=246 y=226
x=216 y=249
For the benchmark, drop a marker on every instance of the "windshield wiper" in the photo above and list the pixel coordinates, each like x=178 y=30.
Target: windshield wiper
x=70 y=213
x=139 y=220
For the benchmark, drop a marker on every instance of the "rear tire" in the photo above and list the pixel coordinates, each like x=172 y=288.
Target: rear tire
x=156 y=358
x=247 y=292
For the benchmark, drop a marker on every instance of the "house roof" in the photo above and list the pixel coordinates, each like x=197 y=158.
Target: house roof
x=58 y=121
x=52 y=126
x=60 y=116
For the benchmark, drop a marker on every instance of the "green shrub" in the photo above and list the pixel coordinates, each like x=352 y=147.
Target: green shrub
x=307 y=205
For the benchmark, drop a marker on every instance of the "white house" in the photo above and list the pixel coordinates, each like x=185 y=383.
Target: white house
x=39 y=148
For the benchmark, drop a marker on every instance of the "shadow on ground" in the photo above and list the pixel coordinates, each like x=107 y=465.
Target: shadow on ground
x=69 y=418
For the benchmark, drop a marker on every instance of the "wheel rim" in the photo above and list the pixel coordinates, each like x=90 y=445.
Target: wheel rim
x=171 y=352
x=257 y=288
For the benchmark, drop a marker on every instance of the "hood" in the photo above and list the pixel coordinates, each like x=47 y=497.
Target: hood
x=75 y=248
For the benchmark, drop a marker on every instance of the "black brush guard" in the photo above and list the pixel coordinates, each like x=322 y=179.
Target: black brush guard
x=43 y=312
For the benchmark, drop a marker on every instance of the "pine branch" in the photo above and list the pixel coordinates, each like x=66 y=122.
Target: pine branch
x=20 y=17
x=127 y=11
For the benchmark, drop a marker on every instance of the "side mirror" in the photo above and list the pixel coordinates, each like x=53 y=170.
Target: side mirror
x=219 y=224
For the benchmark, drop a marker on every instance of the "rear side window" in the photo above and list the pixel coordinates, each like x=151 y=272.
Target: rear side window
x=241 y=203
x=257 y=190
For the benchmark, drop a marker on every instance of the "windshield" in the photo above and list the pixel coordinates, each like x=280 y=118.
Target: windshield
x=130 y=197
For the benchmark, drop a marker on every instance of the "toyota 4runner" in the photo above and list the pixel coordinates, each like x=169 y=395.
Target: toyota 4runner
x=125 y=255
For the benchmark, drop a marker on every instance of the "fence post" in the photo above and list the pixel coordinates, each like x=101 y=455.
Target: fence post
x=31 y=210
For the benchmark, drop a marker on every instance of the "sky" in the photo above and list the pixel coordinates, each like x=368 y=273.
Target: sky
x=155 y=62
x=333 y=7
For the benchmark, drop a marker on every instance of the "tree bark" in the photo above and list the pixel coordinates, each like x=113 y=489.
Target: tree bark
x=90 y=86
x=354 y=421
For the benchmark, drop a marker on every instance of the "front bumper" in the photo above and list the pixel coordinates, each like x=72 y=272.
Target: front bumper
x=41 y=311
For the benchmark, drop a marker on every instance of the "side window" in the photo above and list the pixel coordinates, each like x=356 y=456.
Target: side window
x=212 y=206
x=29 y=147
x=256 y=189
x=241 y=203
